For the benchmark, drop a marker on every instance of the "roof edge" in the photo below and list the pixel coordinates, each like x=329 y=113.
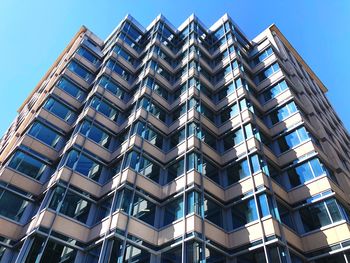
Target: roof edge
x=275 y=29
x=82 y=29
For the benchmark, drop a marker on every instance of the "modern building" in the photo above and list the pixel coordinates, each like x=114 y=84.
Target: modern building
x=176 y=145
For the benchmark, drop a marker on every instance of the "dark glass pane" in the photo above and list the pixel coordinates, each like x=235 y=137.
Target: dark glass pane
x=144 y=210
x=11 y=205
x=27 y=165
x=173 y=211
x=244 y=212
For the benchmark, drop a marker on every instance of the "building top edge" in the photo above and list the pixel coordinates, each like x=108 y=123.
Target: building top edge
x=83 y=29
x=274 y=29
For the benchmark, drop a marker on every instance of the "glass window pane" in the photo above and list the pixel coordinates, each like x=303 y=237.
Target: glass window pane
x=333 y=209
x=44 y=134
x=243 y=213
x=58 y=109
x=143 y=209
x=264 y=205
x=11 y=205
x=27 y=165
x=255 y=160
x=173 y=211
x=134 y=254
x=176 y=170
x=213 y=212
x=314 y=216
x=317 y=167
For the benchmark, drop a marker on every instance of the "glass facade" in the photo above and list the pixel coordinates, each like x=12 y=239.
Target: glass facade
x=164 y=145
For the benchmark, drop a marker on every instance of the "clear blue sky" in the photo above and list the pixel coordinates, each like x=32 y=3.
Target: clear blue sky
x=33 y=34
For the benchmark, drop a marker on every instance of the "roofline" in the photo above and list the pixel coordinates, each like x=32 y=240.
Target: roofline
x=274 y=28
x=82 y=29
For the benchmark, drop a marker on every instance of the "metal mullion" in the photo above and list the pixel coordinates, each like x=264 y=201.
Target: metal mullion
x=141 y=151
x=248 y=159
x=41 y=207
x=66 y=190
x=274 y=201
x=5 y=188
x=183 y=248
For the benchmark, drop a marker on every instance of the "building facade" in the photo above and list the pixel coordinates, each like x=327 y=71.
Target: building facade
x=176 y=145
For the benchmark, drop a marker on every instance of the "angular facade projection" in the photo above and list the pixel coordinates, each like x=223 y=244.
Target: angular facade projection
x=176 y=145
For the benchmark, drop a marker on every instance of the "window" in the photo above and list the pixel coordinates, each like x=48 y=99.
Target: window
x=121 y=52
x=229 y=112
x=95 y=134
x=210 y=170
x=306 y=171
x=80 y=163
x=205 y=111
x=274 y=91
x=88 y=55
x=164 y=56
x=320 y=214
x=235 y=65
x=193 y=202
x=267 y=72
x=265 y=205
x=140 y=255
x=213 y=212
x=219 y=32
x=111 y=86
x=274 y=253
x=175 y=170
x=149 y=169
x=173 y=211
x=281 y=113
x=105 y=108
x=132 y=160
x=143 y=209
x=143 y=165
x=207 y=137
x=70 y=204
x=161 y=91
x=59 y=109
x=244 y=213
x=227 y=90
x=173 y=255
x=28 y=165
x=12 y=206
x=129 y=41
x=286 y=216
x=80 y=71
x=238 y=83
x=131 y=31
x=135 y=254
x=148 y=133
x=124 y=200
x=233 y=138
x=292 y=139
x=152 y=108
x=177 y=137
x=114 y=66
x=266 y=53
x=160 y=70
x=51 y=251
x=72 y=89
x=44 y=134
x=194 y=162
x=237 y=171
x=102 y=209
x=178 y=112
